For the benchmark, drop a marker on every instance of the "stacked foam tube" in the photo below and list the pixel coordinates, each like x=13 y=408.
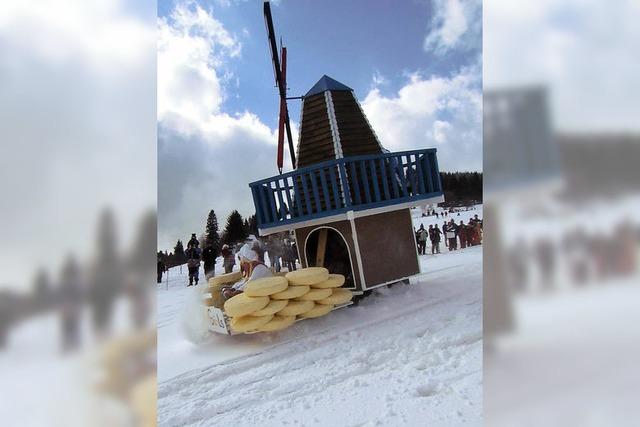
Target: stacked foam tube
x=274 y=303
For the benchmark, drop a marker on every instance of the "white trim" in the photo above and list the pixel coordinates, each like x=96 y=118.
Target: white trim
x=391 y=208
x=345 y=216
x=295 y=236
x=415 y=242
x=333 y=123
x=351 y=217
x=299 y=134
x=345 y=242
x=335 y=132
x=390 y=282
x=303 y=224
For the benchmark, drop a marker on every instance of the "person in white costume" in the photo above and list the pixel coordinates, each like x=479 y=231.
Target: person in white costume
x=252 y=266
x=195 y=321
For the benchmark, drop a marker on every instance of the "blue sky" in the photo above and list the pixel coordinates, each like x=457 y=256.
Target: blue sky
x=415 y=67
x=350 y=41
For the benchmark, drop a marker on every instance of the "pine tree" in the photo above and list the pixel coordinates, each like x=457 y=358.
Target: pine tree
x=252 y=225
x=234 y=230
x=178 y=249
x=211 y=236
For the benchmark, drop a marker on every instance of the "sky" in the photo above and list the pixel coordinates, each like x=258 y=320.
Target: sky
x=78 y=126
x=584 y=51
x=415 y=67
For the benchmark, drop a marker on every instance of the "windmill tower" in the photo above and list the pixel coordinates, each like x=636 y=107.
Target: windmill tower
x=347 y=199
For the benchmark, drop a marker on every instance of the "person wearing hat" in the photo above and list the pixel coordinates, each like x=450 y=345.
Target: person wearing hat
x=193 y=241
x=194 y=254
x=252 y=265
x=228 y=260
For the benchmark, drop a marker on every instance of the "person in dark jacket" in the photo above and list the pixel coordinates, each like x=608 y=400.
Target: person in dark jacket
x=161 y=269
x=435 y=236
x=462 y=234
x=451 y=234
x=193 y=241
x=228 y=260
x=289 y=255
x=194 y=255
x=71 y=299
x=422 y=240
x=209 y=255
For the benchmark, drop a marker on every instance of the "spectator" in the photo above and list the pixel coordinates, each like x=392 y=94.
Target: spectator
x=422 y=240
x=194 y=255
x=228 y=260
x=209 y=255
x=435 y=236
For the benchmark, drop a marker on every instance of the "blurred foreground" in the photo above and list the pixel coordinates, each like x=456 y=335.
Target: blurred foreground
x=562 y=214
x=78 y=185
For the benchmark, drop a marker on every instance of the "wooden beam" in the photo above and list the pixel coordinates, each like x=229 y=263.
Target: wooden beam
x=322 y=247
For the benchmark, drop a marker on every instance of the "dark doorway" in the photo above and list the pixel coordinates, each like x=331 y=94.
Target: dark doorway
x=336 y=253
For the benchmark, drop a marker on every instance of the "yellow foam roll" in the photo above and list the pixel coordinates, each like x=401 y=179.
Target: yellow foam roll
x=317 y=311
x=242 y=304
x=273 y=307
x=225 y=278
x=249 y=323
x=296 y=307
x=265 y=286
x=307 y=276
x=315 y=294
x=334 y=281
x=291 y=292
x=278 y=323
x=338 y=296
x=143 y=398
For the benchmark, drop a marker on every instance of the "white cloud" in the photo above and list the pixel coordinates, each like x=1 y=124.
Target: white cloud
x=192 y=48
x=435 y=111
x=78 y=127
x=206 y=156
x=455 y=24
x=378 y=80
x=584 y=50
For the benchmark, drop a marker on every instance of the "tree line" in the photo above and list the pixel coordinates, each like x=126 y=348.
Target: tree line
x=237 y=229
x=461 y=188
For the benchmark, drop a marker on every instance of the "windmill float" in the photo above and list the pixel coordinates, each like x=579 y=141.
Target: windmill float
x=348 y=200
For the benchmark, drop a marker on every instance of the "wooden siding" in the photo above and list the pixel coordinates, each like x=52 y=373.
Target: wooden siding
x=356 y=136
x=316 y=141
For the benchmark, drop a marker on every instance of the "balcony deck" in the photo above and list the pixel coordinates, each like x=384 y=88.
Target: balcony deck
x=362 y=184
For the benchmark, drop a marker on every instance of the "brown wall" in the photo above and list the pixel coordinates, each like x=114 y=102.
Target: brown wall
x=387 y=246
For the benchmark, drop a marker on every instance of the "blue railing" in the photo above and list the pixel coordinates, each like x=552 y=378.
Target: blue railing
x=351 y=183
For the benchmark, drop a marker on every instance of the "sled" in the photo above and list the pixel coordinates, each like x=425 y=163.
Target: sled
x=220 y=323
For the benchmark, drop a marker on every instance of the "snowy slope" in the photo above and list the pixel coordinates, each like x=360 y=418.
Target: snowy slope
x=409 y=355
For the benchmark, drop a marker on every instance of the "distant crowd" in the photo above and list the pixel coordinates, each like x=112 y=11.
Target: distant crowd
x=455 y=235
x=281 y=250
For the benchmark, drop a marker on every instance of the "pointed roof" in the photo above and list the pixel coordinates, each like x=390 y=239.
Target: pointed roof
x=327 y=83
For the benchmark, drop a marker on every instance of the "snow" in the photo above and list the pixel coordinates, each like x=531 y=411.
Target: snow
x=407 y=355
x=33 y=371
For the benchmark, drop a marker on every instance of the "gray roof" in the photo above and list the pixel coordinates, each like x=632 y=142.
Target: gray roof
x=327 y=83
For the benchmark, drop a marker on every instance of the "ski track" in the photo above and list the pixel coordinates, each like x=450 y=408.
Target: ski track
x=420 y=347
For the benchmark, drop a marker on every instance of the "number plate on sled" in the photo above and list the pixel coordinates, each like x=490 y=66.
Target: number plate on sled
x=218 y=321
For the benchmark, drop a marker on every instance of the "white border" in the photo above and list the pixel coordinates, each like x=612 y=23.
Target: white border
x=343 y=239
x=415 y=242
x=356 y=244
x=333 y=123
x=344 y=216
